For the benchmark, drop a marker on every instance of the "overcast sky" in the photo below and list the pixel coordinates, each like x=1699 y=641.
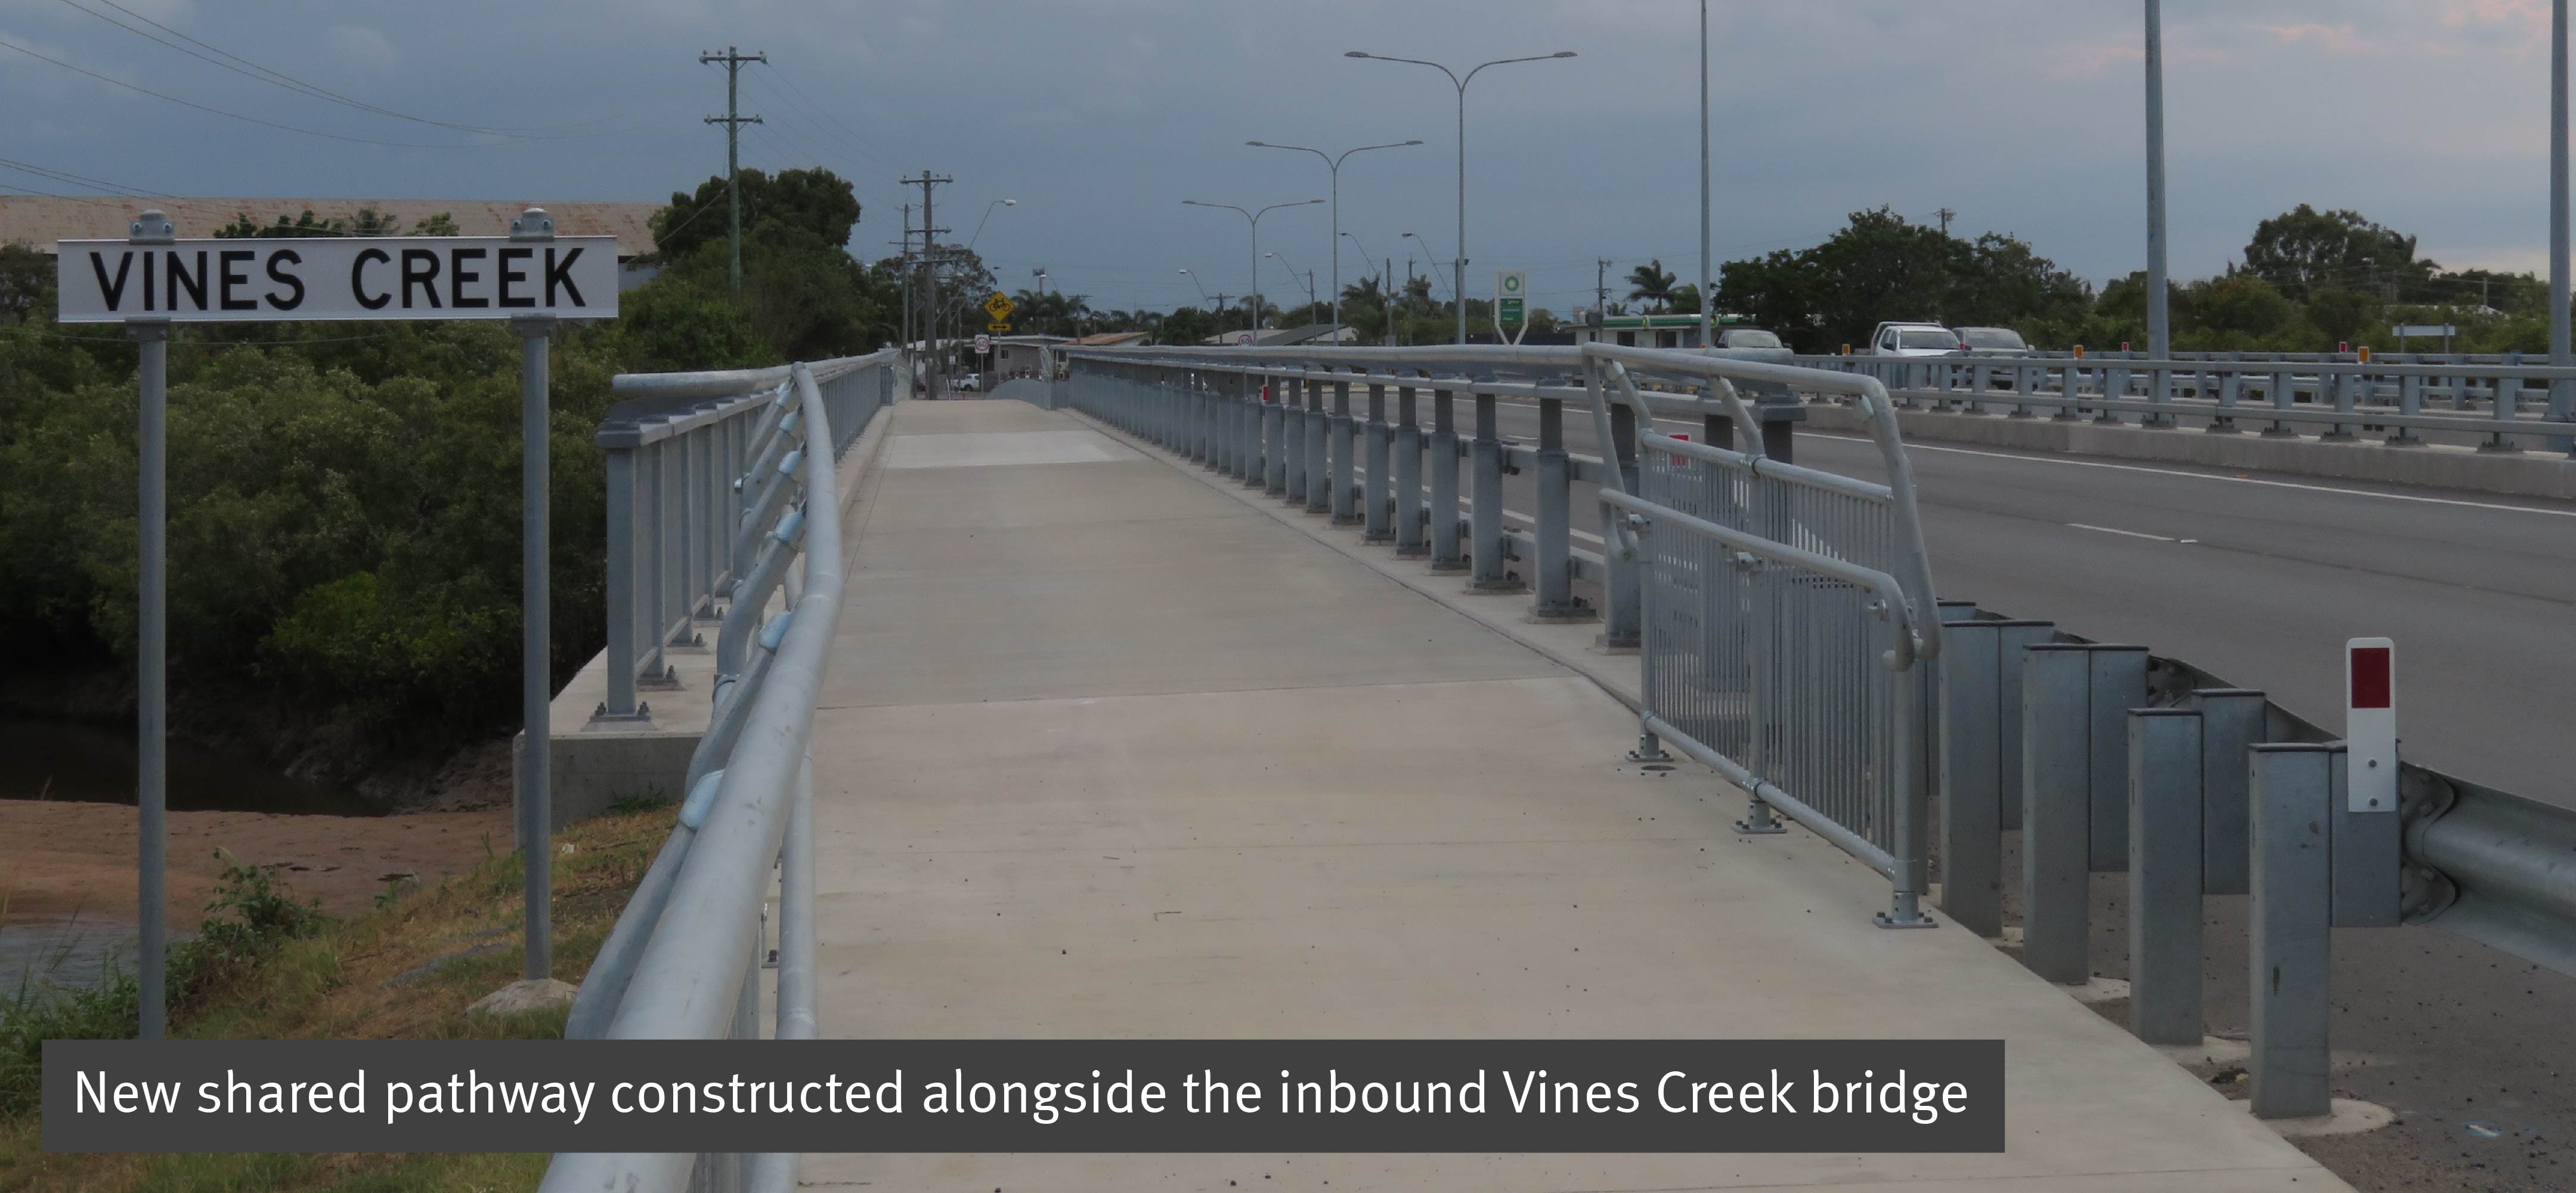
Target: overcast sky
x=1100 y=116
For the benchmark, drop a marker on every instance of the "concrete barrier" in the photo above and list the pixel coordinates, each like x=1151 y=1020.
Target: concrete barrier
x=2517 y=474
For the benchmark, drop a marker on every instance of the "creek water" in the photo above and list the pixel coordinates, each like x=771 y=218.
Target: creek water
x=90 y=763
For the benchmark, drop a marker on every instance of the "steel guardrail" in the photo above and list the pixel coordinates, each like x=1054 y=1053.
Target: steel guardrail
x=685 y=957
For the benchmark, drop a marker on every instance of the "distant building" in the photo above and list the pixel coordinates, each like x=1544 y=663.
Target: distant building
x=1273 y=337
x=1025 y=354
x=37 y=221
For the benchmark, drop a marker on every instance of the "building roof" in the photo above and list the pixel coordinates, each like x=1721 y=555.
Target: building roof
x=1107 y=339
x=40 y=220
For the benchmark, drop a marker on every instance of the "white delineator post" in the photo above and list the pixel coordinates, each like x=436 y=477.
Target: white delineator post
x=2370 y=725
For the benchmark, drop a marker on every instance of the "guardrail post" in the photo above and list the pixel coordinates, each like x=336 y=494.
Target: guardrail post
x=1409 y=540
x=2115 y=386
x=1378 y=500
x=1345 y=470
x=2056 y=888
x=1248 y=467
x=2165 y=803
x=2284 y=392
x=2291 y=946
x=2508 y=406
x=1487 y=510
x=1621 y=607
x=1445 y=555
x=2231 y=391
x=2410 y=402
x=2231 y=722
x=2116 y=682
x=2160 y=396
x=1972 y=775
x=2024 y=380
x=2347 y=388
x=2016 y=636
x=1555 y=516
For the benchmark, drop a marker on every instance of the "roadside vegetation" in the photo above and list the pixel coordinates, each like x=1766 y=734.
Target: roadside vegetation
x=266 y=966
x=344 y=498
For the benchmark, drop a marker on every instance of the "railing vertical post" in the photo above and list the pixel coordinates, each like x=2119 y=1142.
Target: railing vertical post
x=1345 y=470
x=1486 y=513
x=2290 y=951
x=1910 y=835
x=2164 y=875
x=2508 y=406
x=1409 y=527
x=1972 y=766
x=656 y=555
x=2410 y=402
x=622 y=580
x=1555 y=596
x=1204 y=437
x=1296 y=398
x=2160 y=397
x=1621 y=614
x=1275 y=428
x=2116 y=684
x=1379 y=511
x=1445 y=555
x=2056 y=888
x=1319 y=483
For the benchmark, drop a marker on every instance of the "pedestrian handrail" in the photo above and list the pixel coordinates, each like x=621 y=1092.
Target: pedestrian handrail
x=1781 y=611
x=2510 y=404
x=686 y=956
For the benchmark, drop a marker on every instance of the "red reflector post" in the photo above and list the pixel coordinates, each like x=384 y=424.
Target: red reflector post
x=2370 y=678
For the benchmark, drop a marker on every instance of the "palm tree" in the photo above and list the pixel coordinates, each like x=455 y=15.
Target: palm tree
x=1652 y=283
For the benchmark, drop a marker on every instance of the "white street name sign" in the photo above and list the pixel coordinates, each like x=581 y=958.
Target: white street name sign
x=254 y=280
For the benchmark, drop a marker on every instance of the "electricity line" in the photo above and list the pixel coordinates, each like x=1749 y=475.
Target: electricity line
x=186 y=103
x=252 y=70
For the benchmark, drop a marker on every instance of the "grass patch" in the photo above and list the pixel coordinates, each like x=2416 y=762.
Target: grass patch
x=268 y=967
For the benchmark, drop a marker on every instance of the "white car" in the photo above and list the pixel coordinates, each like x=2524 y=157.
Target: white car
x=1994 y=341
x=971 y=383
x=1913 y=339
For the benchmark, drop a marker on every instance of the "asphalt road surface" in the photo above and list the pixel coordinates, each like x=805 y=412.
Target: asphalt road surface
x=2255 y=577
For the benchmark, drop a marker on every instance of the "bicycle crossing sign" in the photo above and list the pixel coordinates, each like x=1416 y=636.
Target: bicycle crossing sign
x=999 y=306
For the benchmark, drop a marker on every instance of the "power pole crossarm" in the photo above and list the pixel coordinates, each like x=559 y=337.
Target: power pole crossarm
x=733 y=120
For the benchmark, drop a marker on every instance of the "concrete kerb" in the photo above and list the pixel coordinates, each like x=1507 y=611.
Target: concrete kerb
x=597 y=764
x=2432 y=466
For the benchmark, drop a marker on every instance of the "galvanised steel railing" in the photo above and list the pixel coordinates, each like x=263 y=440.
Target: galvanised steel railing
x=692 y=458
x=1780 y=611
x=685 y=959
x=2502 y=403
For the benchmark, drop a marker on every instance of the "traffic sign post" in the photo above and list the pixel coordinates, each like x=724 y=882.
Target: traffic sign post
x=1511 y=303
x=152 y=279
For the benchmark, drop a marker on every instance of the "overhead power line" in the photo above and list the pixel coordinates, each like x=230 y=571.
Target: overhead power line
x=189 y=103
x=227 y=60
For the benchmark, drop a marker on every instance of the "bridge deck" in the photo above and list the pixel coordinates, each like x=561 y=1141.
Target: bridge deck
x=1107 y=751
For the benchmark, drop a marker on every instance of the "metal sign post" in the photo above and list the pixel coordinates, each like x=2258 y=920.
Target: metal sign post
x=152 y=279
x=536 y=633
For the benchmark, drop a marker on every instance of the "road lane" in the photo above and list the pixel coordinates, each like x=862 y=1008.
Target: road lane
x=2479 y=592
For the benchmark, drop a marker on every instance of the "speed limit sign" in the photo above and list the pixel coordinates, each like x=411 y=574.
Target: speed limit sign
x=983 y=343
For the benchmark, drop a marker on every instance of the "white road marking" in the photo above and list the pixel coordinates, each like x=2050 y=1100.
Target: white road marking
x=2135 y=534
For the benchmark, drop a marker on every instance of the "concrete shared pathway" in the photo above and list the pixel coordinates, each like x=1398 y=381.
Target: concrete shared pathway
x=1111 y=748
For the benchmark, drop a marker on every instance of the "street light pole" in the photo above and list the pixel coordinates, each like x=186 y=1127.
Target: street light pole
x=1335 y=164
x=1458 y=265
x=1254 y=219
x=2159 y=331
x=2560 y=392
x=1707 y=295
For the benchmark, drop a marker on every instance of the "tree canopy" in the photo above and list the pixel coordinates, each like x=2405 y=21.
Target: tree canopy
x=816 y=202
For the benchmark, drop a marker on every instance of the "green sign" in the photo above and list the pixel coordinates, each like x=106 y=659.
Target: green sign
x=1511 y=296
